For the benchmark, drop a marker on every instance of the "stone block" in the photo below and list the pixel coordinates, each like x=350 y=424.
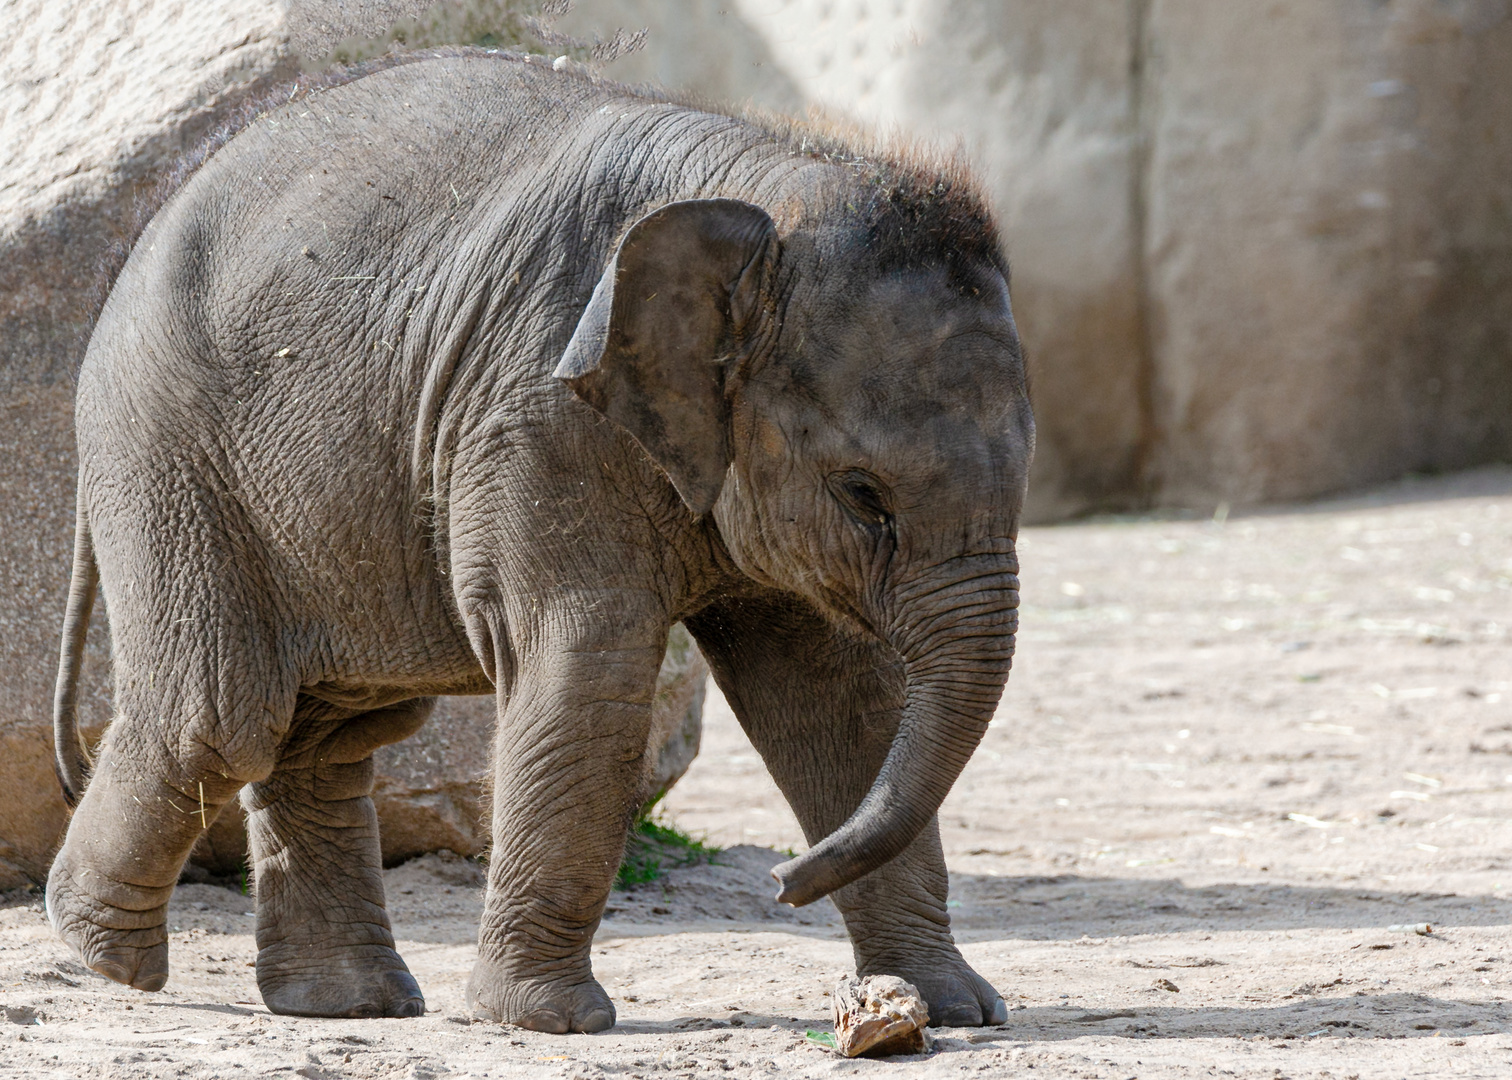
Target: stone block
x=1261 y=251
x=431 y=789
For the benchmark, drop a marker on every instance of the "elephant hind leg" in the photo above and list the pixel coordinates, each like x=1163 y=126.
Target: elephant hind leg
x=325 y=946
x=152 y=794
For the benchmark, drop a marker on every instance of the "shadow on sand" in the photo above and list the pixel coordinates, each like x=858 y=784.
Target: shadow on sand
x=1068 y=906
x=1362 y=1016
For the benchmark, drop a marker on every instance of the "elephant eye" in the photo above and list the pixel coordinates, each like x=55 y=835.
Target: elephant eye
x=862 y=497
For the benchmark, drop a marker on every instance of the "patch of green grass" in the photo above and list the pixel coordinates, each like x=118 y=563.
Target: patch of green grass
x=654 y=847
x=825 y=1039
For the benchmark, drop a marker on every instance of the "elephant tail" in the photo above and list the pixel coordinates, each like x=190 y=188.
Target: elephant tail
x=70 y=756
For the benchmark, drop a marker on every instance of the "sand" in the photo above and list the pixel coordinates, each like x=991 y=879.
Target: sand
x=1239 y=759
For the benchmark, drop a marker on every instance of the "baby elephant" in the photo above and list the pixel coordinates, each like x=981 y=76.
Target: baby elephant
x=473 y=377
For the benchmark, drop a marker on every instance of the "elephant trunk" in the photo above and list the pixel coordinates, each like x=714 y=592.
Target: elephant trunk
x=956 y=639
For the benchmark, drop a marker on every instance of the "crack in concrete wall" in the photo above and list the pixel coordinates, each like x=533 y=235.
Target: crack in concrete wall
x=1146 y=452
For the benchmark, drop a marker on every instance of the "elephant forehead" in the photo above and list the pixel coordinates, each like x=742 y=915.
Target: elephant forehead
x=930 y=455
x=923 y=340
x=902 y=416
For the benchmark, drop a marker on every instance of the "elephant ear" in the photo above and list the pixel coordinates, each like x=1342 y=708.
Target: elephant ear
x=677 y=301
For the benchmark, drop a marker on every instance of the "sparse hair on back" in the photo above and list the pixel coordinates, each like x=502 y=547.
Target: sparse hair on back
x=922 y=203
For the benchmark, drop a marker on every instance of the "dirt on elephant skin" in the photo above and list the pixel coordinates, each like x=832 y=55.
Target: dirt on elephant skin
x=1241 y=763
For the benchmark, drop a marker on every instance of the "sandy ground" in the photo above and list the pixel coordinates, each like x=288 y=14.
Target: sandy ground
x=1236 y=758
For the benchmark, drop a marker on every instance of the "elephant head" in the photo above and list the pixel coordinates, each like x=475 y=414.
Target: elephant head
x=849 y=402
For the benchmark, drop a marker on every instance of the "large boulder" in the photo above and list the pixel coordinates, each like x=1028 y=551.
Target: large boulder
x=98 y=101
x=431 y=788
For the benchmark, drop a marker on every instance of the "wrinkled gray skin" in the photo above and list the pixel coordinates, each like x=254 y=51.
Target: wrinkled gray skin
x=472 y=377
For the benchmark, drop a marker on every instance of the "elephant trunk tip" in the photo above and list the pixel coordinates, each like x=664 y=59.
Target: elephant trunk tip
x=796 y=883
x=813 y=876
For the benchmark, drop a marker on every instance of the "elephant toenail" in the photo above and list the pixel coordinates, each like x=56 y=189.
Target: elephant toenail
x=959 y=1014
x=112 y=971
x=597 y=1020
x=548 y=1020
x=410 y=1007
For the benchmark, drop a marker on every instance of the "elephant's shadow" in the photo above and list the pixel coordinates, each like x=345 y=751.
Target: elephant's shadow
x=736 y=891
x=444 y=899
x=1379 y=1016
x=1066 y=907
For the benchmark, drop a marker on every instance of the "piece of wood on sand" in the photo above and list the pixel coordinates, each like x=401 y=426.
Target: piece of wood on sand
x=878 y=1016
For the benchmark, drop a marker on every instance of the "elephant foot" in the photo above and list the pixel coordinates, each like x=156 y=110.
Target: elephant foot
x=363 y=982
x=956 y=995
x=124 y=943
x=555 y=1007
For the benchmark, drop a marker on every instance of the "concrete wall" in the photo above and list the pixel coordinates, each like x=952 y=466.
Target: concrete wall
x=1261 y=250
x=1329 y=242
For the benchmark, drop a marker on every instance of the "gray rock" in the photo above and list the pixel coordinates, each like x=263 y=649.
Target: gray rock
x=431 y=788
x=677 y=713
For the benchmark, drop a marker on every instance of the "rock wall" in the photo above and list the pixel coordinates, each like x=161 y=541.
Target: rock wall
x=1261 y=251
x=431 y=787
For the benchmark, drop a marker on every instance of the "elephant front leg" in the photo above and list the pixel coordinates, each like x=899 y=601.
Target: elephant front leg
x=821 y=706
x=324 y=944
x=898 y=924
x=568 y=769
